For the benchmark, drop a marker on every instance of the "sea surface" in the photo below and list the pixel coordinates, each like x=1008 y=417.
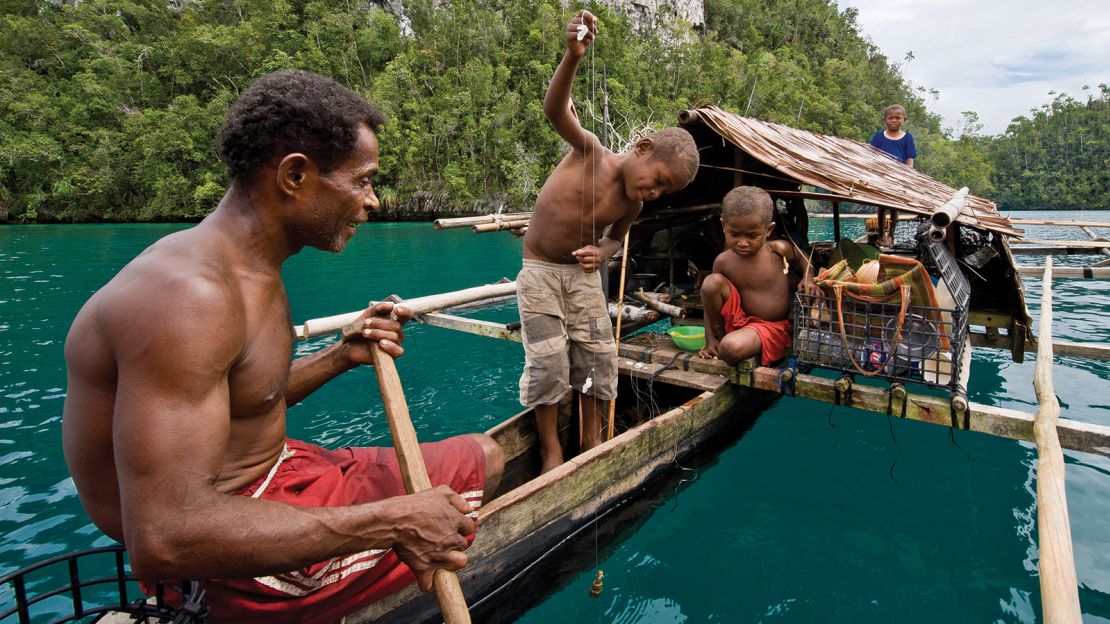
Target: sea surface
x=816 y=514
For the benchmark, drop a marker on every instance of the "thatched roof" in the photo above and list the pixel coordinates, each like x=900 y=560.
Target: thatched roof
x=845 y=169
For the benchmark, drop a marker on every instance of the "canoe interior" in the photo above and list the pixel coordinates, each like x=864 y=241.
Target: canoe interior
x=517 y=435
x=540 y=524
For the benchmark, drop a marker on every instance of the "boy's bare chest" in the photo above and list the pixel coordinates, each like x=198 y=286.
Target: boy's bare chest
x=760 y=273
x=604 y=207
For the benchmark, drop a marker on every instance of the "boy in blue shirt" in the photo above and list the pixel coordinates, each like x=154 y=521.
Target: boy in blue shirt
x=899 y=145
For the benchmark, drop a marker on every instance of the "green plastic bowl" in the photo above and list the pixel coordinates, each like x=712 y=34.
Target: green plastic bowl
x=687 y=337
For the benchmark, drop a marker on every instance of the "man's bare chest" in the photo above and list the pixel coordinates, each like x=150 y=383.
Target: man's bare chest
x=259 y=378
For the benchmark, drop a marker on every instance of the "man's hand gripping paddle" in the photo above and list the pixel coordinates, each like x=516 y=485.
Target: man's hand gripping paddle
x=414 y=474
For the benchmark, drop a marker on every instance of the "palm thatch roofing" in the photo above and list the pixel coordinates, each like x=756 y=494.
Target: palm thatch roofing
x=846 y=170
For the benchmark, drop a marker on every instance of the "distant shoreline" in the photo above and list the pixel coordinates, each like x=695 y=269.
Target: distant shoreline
x=393 y=216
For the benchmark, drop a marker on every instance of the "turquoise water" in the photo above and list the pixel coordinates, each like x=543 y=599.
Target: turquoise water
x=816 y=514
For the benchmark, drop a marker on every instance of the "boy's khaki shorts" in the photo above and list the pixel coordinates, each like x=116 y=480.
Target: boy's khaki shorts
x=561 y=304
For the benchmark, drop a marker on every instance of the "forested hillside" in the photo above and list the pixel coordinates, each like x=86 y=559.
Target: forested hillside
x=1058 y=156
x=112 y=106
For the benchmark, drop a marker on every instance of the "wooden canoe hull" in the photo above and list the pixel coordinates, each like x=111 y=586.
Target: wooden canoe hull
x=522 y=525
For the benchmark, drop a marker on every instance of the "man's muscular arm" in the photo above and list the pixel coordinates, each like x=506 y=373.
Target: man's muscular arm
x=381 y=323
x=172 y=424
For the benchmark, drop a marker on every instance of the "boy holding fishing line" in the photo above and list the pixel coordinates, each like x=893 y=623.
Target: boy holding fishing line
x=581 y=215
x=747 y=297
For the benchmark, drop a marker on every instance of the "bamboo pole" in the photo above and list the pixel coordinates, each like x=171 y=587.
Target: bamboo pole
x=1087 y=244
x=1089 y=232
x=948 y=212
x=617 y=334
x=420 y=305
x=1052 y=250
x=669 y=309
x=1061 y=222
x=1090 y=272
x=457 y=222
x=633 y=313
x=414 y=474
x=505 y=224
x=1089 y=350
x=1059 y=588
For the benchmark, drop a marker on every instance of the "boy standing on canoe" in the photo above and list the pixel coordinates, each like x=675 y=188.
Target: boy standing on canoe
x=580 y=217
x=747 y=297
x=181 y=372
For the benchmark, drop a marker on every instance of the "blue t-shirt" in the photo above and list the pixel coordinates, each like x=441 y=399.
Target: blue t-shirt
x=901 y=149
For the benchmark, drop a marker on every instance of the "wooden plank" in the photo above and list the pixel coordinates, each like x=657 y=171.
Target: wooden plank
x=989 y=319
x=655 y=371
x=937 y=410
x=1059 y=587
x=1067 y=272
x=1088 y=350
x=488 y=329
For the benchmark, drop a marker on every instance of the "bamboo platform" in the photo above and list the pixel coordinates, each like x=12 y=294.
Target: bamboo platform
x=934 y=409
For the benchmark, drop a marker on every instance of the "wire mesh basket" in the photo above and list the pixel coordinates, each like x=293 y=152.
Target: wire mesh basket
x=920 y=344
x=99 y=583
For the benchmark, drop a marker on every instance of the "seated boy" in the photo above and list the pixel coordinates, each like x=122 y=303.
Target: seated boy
x=581 y=214
x=747 y=297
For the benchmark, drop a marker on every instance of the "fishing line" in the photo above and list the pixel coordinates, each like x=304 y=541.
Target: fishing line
x=583 y=29
x=896 y=446
x=952 y=439
x=674 y=459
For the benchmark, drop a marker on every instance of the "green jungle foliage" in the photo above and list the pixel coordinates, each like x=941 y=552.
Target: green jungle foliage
x=112 y=106
x=1058 y=157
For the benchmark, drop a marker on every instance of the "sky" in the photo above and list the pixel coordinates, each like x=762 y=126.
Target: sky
x=999 y=58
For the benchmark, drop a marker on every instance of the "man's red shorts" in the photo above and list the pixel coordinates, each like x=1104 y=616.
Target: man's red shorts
x=310 y=476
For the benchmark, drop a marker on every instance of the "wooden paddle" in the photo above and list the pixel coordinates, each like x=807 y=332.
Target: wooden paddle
x=617 y=335
x=414 y=473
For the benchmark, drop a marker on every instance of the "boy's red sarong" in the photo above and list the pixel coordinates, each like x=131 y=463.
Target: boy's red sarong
x=310 y=476
x=774 y=336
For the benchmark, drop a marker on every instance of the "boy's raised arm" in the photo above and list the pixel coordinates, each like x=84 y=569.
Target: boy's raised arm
x=557 y=103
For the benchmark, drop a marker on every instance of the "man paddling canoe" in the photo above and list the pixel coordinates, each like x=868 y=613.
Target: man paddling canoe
x=180 y=377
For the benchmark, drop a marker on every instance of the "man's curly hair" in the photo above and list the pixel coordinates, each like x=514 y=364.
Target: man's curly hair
x=292 y=111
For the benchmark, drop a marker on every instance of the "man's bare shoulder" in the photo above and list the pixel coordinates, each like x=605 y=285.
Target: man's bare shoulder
x=184 y=278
